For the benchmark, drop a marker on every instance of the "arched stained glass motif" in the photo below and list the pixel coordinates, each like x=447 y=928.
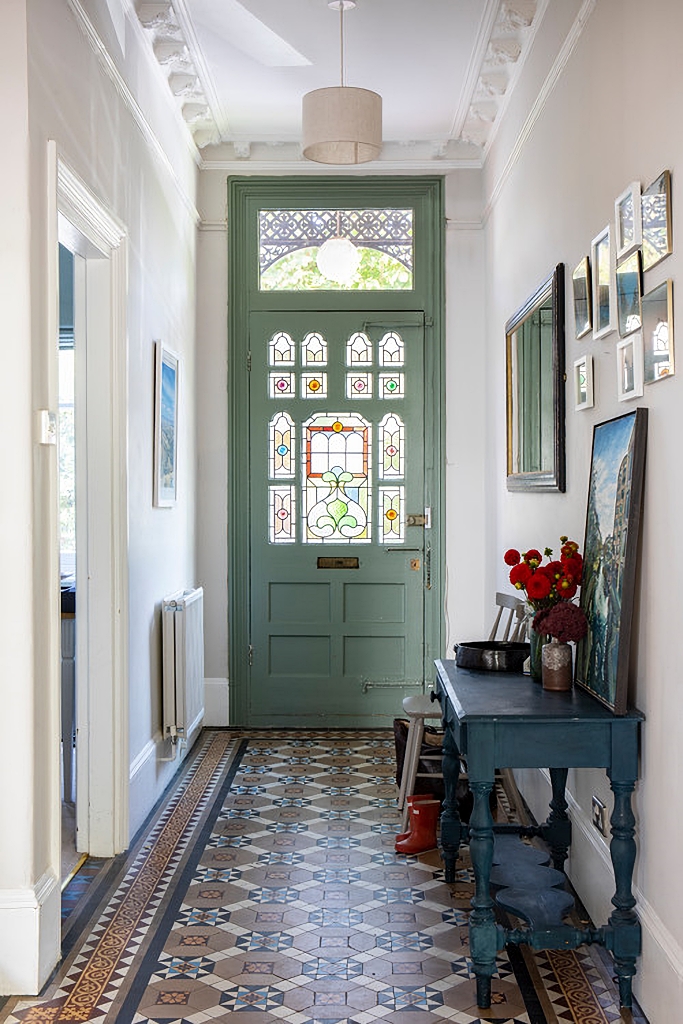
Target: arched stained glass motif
x=359 y=385
x=281 y=444
x=336 y=469
x=391 y=445
x=281 y=350
x=391 y=385
x=282 y=520
x=358 y=350
x=391 y=514
x=391 y=349
x=314 y=350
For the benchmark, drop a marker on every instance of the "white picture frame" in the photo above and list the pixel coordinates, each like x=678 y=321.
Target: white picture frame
x=630 y=367
x=583 y=383
x=602 y=274
x=166 y=392
x=628 y=221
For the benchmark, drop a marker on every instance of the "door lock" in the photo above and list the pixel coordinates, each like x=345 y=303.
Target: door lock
x=420 y=519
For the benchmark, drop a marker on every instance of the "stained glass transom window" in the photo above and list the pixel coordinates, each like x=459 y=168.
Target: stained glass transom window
x=281 y=350
x=281 y=455
x=358 y=350
x=336 y=468
x=314 y=350
x=391 y=444
x=391 y=514
x=289 y=241
x=391 y=349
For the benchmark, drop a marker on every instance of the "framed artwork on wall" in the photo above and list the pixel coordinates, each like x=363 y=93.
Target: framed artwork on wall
x=656 y=220
x=613 y=516
x=602 y=290
x=630 y=367
x=628 y=221
x=658 y=333
x=583 y=383
x=166 y=382
x=629 y=292
x=581 y=287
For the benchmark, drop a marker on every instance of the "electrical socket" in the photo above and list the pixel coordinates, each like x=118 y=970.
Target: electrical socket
x=599 y=815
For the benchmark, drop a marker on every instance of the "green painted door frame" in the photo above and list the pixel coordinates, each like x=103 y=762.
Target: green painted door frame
x=246 y=196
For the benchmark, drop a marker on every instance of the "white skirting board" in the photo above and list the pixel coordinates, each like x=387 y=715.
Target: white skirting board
x=30 y=929
x=216 y=703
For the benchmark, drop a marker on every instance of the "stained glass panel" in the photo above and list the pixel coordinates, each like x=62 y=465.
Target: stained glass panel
x=358 y=350
x=391 y=385
x=314 y=350
x=359 y=385
x=281 y=350
x=281 y=432
x=336 y=478
x=282 y=384
x=391 y=349
x=391 y=445
x=282 y=508
x=314 y=385
x=391 y=514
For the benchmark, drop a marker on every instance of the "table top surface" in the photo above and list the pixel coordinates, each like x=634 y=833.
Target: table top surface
x=505 y=696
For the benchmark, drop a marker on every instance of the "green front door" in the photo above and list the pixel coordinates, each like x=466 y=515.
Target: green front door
x=337 y=517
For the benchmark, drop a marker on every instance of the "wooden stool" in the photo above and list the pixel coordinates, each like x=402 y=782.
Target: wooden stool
x=418 y=708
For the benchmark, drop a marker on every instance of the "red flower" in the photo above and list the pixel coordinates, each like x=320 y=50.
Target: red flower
x=573 y=566
x=511 y=557
x=565 y=621
x=538 y=586
x=520 y=575
x=554 y=569
x=533 y=557
x=566 y=587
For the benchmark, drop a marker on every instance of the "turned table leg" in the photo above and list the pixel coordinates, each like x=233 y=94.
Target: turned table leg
x=625 y=927
x=483 y=928
x=451 y=826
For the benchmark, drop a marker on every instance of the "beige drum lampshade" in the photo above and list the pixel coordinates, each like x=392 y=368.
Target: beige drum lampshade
x=342 y=125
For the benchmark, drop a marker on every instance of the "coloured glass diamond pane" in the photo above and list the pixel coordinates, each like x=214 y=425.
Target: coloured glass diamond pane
x=282 y=507
x=282 y=384
x=358 y=350
x=391 y=349
x=314 y=350
x=281 y=350
x=359 y=385
x=391 y=514
x=314 y=385
x=391 y=385
x=391 y=445
x=281 y=437
x=336 y=473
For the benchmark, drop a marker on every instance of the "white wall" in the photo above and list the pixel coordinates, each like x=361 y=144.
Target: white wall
x=611 y=117
x=116 y=128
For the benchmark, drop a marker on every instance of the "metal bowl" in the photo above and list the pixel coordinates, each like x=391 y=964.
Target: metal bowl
x=491 y=655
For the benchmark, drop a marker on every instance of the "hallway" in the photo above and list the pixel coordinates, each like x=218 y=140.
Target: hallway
x=266 y=883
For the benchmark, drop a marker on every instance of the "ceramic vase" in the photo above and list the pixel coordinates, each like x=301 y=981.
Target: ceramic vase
x=556 y=660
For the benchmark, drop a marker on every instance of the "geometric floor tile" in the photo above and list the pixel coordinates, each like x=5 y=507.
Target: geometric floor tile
x=268 y=886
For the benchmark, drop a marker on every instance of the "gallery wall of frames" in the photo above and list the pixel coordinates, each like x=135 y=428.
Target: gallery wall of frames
x=610 y=293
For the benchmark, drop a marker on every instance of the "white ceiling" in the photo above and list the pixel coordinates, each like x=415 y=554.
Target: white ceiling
x=444 y=68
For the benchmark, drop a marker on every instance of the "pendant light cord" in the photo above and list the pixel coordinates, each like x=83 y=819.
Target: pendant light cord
x=341 y=44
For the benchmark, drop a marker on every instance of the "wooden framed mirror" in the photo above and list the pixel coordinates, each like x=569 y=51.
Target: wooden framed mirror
x=534 y=339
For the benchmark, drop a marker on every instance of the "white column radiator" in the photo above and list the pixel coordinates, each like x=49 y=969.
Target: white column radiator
x=182 y=630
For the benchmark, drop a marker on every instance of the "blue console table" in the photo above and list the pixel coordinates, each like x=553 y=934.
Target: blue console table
x=506 y=720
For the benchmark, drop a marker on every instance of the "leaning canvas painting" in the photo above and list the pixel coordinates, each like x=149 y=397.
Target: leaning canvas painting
x=612 y=525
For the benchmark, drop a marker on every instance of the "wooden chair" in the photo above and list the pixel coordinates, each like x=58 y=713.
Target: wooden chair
x=420 y=707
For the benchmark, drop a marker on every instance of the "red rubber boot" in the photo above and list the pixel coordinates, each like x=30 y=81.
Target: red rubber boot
x=424 y=818
x=414 y=798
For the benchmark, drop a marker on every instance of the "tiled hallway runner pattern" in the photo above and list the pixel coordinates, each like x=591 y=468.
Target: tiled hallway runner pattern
x=268 y=887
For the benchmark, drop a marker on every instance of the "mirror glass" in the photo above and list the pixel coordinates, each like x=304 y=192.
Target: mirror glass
x=535 y=389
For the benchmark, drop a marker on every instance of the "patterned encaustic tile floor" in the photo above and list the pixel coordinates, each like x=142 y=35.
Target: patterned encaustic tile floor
x=266 y=886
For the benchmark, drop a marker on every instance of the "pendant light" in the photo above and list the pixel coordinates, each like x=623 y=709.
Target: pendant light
x=342 y=125
x=338 y=257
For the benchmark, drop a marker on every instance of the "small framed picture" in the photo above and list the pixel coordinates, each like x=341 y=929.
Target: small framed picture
x=583 y=383
x=581 y=284
x=658 y=333
x=630 y=367
x=628 y=221
x=165 y=426
x=629 y=293
x=656 y=218
x=602 y=290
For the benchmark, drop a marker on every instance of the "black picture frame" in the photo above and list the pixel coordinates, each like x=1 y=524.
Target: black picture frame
x=613 y=516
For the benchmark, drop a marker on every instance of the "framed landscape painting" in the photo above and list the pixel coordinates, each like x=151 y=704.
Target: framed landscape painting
x=612 y=527
x=165 y=426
